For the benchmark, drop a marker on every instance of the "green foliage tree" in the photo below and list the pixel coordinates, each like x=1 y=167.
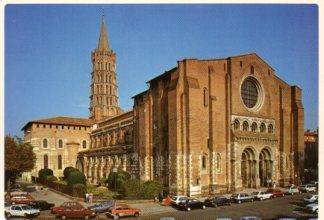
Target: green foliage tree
x=19 y=158
x=51 y=178
x=76 y=177
x=67 y=171
x=116 y=180
x=44 y=173
x=150 y=189
x=132 y=189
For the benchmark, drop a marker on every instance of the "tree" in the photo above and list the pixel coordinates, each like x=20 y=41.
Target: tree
x=43 y=173
x=19 y=158
x=76 y=177
x=67 y=171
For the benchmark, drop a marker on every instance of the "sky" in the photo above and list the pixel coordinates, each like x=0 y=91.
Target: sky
x=48 y=49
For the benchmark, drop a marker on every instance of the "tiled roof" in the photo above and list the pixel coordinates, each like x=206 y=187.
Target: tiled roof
x=62 y=120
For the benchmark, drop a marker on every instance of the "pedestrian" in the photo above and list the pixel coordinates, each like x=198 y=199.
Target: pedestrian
x=274 y=184
x=90 y=198
x=160 y=197
x=87 y=197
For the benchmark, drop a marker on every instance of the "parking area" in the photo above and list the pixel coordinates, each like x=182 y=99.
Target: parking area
x=291 y=206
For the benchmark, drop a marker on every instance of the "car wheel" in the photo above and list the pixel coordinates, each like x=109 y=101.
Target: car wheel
x=136 y=214
x=203 y=207
x=63 y=217
x=239 y=201
x=188 y=209
x=261 y=198
x=86 y=217
x=8 y=214
x=251 y=200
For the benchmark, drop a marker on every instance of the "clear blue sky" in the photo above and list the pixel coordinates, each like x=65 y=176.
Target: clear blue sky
x=47 y=50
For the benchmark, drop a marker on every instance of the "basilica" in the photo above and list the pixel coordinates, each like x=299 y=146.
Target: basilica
x=205 y=126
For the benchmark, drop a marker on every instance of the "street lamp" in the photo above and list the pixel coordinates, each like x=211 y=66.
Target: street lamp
x=114 y=170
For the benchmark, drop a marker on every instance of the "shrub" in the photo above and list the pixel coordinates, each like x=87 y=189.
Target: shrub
x=103 y=181
x=43 y=173
x=120 y=176
x=51 y=178
x=150 y=189
x=67 y=171
x=132 y=189
x=79 y=190
x=76 y=177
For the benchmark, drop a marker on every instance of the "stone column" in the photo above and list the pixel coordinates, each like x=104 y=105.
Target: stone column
x=95 y=171
x=101 y=168
x=124 y=162
x=90 y=164
x=257 y=177
x=85 y=166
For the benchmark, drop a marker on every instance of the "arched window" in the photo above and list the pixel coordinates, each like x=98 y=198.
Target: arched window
x=60 y=143
x=254 y=127
x=84 y=144
x=245 y=126
x=109 y=89
x=203 y=162
x=205 y=97
x=45 y=143
x=59 y=162
x=236 y=124
x=45 y=161
x=109 y=79
x=270 y=128
x=262 y=127
x=218 y=162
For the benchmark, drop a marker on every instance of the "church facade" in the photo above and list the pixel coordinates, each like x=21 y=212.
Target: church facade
x=203 y=127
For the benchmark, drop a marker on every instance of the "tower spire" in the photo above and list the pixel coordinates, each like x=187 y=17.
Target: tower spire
x=103 y=38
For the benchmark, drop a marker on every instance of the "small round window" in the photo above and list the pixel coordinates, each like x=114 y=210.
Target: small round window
x=251 y=93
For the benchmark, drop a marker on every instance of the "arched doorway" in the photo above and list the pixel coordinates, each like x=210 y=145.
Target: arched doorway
x=265 y=167
x=79 y=165
x=248 y=168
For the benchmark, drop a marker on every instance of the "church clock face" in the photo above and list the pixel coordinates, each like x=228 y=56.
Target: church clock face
x=251 y=93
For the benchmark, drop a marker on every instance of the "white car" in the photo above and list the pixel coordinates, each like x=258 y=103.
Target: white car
x=175 y=200
x=313 y=207
x=311 y=198
x=308 y=188
x=21 y=210
x=292 y=190
x=261 y=195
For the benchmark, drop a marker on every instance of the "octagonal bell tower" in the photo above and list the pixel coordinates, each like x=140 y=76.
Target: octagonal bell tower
x=104 y=90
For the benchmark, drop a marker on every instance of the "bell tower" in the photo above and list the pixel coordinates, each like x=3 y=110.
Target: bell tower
x=104 y=90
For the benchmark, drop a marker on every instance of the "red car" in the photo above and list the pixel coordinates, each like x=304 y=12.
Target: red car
x=122 y=210
x=21 y=199
x=72 y=210
x=276 y=193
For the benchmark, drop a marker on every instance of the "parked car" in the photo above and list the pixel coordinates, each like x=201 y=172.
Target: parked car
x=72 y=211
x=122 y=210
x=292 y=190
x=308 y=188
x=276 y=193
x=102 y=207
x=41 y=205
x=21 y=210
x=217 y=201
x=311 y=199
x=20 y=200
x=175 y=200
x=250 y=218
x=241 y=197
x=259 y=195
x=313 y=207
x=190 y=204
x=70 y=205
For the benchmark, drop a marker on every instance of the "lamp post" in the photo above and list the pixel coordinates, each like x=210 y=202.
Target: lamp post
x=114 y=170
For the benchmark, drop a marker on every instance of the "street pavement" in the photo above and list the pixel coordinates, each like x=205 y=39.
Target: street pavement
x=268 y=209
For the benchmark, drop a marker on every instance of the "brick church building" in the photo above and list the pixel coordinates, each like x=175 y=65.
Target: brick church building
x=205 y=126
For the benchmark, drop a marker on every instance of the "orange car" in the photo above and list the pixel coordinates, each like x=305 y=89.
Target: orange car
x=122 y=210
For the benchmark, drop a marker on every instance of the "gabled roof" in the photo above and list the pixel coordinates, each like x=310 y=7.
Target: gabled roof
x=62 y=120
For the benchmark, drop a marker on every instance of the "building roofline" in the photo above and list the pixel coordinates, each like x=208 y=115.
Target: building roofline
x=162 y=75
